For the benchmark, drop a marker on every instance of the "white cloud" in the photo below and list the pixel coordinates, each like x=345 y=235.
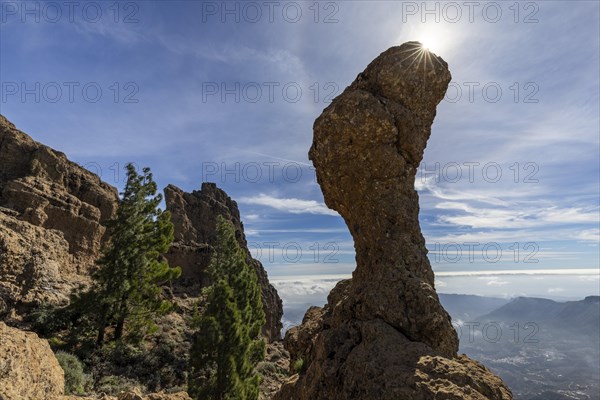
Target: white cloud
x=515 y=217
x=285 y=270
x=492 y=274
x=294 y=288
x=592 y=235
x=123 y=33
x=589 y=278
x=494 y=281
x=425 y=182
x=484 y=196
x=522 y=283
x=300 y=292
x=291 y=205
x=306 y=230
x=484 y=236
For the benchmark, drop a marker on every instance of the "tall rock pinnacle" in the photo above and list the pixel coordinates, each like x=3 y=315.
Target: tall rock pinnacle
x=194 y=216
x=383 y=334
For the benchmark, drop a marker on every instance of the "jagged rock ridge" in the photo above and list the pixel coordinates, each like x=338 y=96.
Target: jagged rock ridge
x=194 y=216
x=52 y=215
x=383 y=334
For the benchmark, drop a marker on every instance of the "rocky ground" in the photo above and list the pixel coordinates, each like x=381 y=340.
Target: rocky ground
x=29 y=370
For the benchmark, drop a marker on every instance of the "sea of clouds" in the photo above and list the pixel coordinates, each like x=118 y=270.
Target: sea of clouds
x=298 y=293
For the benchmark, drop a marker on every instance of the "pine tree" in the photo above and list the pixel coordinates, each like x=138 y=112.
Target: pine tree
x=127 y=284
x=228 y=346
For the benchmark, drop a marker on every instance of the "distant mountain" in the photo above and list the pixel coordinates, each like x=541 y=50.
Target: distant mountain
x=582 y=316
x=465 y=307
x=555 y=358
x=525 y=308
x=543 y=349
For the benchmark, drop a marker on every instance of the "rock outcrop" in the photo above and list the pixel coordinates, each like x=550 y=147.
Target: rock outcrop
x=51 y=222
x=137 y=395
x=383 y=334
x=134 y=395
x=28 y=368
x=52 y=215
x=273 y=370
x=194 y=216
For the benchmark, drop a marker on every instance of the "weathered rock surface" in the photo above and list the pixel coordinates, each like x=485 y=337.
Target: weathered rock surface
x=274 y=370
x=134 y=395
x=28 y=368
x=52 y=213
x=137 y=395
x=51 y=216
x=169 y=396
x=194 y=216
x=383 y=334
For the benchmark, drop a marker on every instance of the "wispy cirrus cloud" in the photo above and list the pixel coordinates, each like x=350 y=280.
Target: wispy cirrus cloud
x=537 y=272
x=591 y=235
x=517 y=217
x=290 y=205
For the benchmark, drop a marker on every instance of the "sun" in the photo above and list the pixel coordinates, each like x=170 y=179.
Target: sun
x=431 y=42
x=435 y=38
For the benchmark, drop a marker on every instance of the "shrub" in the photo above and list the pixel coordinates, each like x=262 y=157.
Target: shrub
x=114 y=385
x=155 y=368
x=47 y=319
x=298 y=365
x=56 y=343
x=75 y=378
x=267 y=368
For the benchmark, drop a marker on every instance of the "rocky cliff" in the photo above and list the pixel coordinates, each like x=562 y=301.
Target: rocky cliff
x=52 y=215
x=51 y=222
x=383 y=334
x=194 y=216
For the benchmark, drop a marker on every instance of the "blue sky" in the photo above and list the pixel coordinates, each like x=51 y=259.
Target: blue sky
x=228 y=92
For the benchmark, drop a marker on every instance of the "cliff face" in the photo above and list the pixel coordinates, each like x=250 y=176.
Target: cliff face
x=51 y=221
x=383 y=334
x=52 y=215
x=194 y=216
